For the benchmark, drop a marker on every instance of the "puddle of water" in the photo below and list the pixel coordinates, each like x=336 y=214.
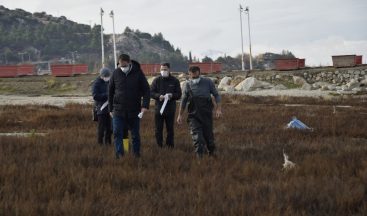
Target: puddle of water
x=301 y=105
x=20 y=134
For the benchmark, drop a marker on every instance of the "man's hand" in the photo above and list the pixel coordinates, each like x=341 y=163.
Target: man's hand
x=179 y=119
x=169 y=95
x=161 y=98
x=142 y=111
x=218 y=112
x=111 y=114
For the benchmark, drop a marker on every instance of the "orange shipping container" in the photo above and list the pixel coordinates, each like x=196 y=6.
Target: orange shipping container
x=150 y=69
x=301 y=63
x=62 y=70
x=287 y=64
x=7 y=71
x=344 y=61
x=207 y=68
x=359 y=60
x=26 y=70
x=80 y=69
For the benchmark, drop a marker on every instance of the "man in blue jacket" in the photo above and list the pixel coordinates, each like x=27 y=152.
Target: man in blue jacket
x=128 y=85
x=100 y=97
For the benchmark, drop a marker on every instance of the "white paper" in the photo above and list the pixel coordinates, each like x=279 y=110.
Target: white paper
x=140 y=115
x=104 y=105
x=166 y=98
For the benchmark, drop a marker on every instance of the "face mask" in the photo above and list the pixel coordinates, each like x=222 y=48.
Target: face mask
x=106 y=79
x=164 y=73
x=125 y=69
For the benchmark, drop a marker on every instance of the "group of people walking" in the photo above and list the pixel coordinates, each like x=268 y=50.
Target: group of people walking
x=124 y=96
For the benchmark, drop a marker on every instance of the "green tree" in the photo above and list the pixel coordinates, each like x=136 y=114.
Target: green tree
x=207 y=59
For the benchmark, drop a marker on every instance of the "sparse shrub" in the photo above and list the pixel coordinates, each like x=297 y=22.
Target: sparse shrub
x=67 y=173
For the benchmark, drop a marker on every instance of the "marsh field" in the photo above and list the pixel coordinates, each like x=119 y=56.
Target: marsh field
x=58 y=168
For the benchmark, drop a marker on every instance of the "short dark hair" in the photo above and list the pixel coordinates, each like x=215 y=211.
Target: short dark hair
x=124 y=57
x=166 y=64
x=194 y=69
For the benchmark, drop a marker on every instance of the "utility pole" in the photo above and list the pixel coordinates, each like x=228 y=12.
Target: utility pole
x=102 y=12
x=73 y=56
x=112 y=15
x=242 y=56
x=249 y=34
x=21 y=54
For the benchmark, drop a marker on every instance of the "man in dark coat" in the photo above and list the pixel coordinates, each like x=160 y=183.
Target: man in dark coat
x=165 y=88
x=128 y=86
x=100 y=97
x=198 y=93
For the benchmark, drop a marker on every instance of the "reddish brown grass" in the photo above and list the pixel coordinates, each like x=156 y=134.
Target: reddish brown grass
x=67 y=173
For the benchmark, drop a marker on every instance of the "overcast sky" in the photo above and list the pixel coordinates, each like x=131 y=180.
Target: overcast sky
x=312 y=29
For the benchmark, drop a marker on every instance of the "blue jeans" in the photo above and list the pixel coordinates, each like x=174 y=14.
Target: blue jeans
x=119 y=124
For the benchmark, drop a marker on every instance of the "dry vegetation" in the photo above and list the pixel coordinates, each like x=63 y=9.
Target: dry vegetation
x=67 y=173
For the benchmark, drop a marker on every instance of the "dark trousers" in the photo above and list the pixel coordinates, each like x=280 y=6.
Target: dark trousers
x=202 y=134
x=169 y=119
x=120 y=124
x=104 y=130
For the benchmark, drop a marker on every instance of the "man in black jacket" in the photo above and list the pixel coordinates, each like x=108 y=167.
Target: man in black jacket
x=100 y=92
x=165 y=88
x=128 y=85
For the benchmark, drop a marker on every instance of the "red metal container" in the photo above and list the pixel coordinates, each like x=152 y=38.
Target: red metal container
x=62 y=70
x=150 y=69
x=208 y=68
x=358 y=60
x=301 y=63
x=344 y=61
x=80 y=69
x=7 y=71
x=286 y=64
x=26 y=70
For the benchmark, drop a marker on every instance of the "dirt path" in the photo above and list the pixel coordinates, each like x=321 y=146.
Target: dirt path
x=43 y=100
x=61 y=101
x=289 y=93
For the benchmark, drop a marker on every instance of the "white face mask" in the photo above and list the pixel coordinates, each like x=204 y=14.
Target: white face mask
x=125 y=69
x=106 y=79
x=164 y=73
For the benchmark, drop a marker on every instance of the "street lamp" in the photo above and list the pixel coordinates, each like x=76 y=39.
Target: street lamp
x=112 y=15
x=242 y=56
x=21 y=54
x=247 y=11
x=73 y=56
x=102 y=12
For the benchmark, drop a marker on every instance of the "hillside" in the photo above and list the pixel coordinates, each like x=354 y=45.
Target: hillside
x=41 y=37
x=35 y=37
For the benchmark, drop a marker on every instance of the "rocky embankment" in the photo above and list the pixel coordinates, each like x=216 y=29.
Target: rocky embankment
x=312 y=82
